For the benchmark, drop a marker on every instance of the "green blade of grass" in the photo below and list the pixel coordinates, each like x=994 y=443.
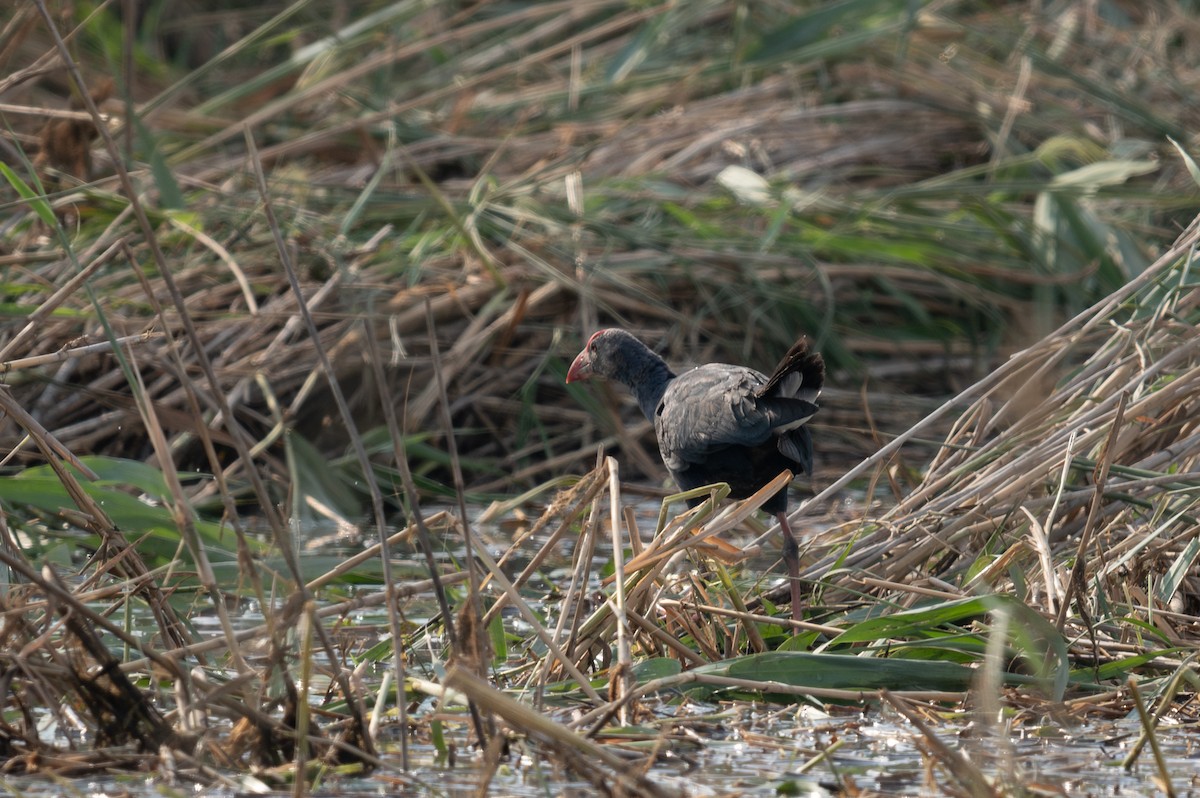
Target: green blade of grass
x=37 y=202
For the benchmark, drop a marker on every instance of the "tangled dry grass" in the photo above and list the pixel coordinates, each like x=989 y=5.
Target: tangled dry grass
x=543 y=195
x=1073 y=465
x=328 y=287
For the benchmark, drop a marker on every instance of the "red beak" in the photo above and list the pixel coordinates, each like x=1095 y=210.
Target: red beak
x=581 y=368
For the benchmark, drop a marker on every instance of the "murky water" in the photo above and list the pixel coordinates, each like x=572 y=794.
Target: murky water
x=873 y=756
x=759 y=749
x=720 y=748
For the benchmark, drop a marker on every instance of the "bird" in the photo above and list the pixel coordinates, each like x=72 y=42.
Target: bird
x=718 y=422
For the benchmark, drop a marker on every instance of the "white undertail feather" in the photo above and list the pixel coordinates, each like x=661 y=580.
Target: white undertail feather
x=800 y=422
x=790 y=385
x=789 y=449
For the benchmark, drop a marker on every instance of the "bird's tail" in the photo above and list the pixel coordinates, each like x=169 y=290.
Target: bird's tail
x=790 y=397
x=799 y=375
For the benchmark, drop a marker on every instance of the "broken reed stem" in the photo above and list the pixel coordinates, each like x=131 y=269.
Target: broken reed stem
x=1054 y=592
x=565 y=511
x=181 y=509
x=561 y=738
x=378 y=549
x=76 y=352
x=964 y=771
x=304 y=633
x=621 y=679
x=482 y=729
x=1185 y=672
x=531 y=618
x=1148 y=731
x=667 y=640
x=574 y=601
x=1075 y=583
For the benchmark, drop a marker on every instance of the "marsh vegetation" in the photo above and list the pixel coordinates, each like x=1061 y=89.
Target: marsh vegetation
x=279 y=271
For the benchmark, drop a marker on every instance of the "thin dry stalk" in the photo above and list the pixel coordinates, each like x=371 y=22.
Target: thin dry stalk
x=574 y=601
x=621 y=677
x=352 y=696
x=970 y=777
x=748 y=619
x=1184 y=673
x=565 y=509
x=183 y=515
x=1077 y=582
x=668 y=641
x=163 y=451
x=1150 y=735
x=753 y=636
x=120 y=557
x=601 y=765
x=531 y=618
x=67 y=354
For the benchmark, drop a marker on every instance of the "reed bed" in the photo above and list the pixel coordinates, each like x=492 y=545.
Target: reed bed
x=258 y=289
x=1079 y=451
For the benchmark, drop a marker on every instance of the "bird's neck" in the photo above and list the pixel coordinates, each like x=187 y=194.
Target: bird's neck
x=649 y=382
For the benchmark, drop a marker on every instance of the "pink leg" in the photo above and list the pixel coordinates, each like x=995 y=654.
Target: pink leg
x=791 y=558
